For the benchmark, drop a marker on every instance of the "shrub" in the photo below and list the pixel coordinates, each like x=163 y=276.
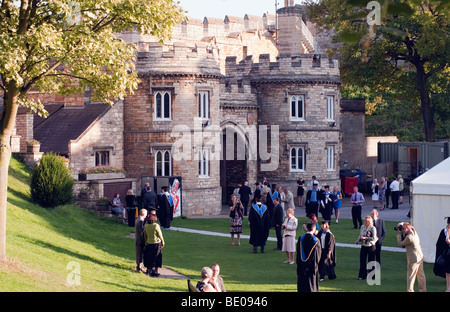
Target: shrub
x=51 y=183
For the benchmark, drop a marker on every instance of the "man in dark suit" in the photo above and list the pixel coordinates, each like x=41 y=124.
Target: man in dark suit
x=277 y=221
x=139 y=239
x=149 y=199
x=143 y=191
x=245 y=191
x=381 y=233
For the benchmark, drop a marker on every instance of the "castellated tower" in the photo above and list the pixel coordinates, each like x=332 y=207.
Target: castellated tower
x=298 y=95
x=165 y=121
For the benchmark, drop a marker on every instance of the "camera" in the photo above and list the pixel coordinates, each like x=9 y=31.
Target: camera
x=398 y=228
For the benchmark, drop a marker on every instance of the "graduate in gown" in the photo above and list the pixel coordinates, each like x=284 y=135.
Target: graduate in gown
x=308 y=257
x=328 y=257
x=327 y=203
x=259 y=219
x=165 y=205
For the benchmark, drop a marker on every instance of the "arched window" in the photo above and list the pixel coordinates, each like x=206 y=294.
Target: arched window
x=163 y=163
x=163 y=105
x=203 y=163
x=297 y=107
x=203 y=104
x=330 y=158
x=297 y=159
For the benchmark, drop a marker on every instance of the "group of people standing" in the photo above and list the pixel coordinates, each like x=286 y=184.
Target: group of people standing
x=149 y=239
x=316 y=252
x=385 y=189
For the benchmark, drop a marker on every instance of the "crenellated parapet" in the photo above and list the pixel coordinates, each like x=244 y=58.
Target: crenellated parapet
x=180 y=58
x=302 y=67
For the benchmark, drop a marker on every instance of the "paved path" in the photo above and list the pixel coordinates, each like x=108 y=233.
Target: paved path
x=387 y=214
x=385 y=248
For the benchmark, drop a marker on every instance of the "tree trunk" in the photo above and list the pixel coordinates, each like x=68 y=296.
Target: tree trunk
x=425 y=104
x=8 y=122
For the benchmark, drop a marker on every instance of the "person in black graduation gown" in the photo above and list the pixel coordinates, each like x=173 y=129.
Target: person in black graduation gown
x=308 y=257
x=165 y=208
x=442 y=266
x=328 y=256
x=327 y=203
x=259 y=219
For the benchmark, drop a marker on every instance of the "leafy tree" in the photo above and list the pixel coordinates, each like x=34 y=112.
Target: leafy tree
x=406 y=53
x=63 y=46
x=51 y=182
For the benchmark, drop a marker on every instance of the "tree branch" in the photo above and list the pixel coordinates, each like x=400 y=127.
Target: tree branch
x=30 y=84
x=71 y=76
x=435 y=70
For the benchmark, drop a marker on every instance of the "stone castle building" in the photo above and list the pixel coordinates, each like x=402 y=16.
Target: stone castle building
x=221 y=89
x=222 y=102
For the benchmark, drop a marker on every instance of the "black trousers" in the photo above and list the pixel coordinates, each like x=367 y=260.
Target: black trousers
x=366 y=255
x=245 y=205
x=394 y=195
x=279 y=237
x=312 y=207
x=356 y=216
x=378 y=252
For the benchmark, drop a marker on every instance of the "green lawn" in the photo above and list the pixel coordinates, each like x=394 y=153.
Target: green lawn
x=41 y=243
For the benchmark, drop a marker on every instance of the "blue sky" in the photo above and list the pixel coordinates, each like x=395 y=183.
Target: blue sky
x=219 y=8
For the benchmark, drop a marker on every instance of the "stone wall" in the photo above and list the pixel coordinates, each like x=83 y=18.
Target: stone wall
x=183 y=71
x=104 y=134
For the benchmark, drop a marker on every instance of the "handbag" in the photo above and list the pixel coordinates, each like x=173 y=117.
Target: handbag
x=439 y=266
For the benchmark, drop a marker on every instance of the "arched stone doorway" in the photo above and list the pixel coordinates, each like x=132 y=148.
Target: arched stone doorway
x=234 y=164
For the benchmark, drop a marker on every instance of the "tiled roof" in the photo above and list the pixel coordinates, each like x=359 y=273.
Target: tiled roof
x=66 y=124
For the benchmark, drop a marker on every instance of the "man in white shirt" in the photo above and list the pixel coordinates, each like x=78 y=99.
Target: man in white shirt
x=314 y=181
x=395 y=188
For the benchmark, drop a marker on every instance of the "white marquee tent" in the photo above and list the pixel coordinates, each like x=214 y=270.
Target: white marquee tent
x=430 y=205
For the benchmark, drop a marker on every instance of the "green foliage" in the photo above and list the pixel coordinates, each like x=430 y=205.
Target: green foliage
x=404 y=59
x=65 y=46
x=51 y=183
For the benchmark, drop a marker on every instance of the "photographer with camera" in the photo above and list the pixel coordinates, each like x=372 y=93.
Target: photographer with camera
x=408 y=238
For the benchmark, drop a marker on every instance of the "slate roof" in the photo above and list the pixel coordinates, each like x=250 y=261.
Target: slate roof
x=65 y=124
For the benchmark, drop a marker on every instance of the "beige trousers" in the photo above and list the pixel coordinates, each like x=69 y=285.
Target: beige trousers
x=415 y=270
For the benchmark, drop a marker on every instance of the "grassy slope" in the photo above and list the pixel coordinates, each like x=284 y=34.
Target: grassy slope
x=41 y=243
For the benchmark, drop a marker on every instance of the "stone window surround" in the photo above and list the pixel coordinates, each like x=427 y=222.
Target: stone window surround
x=163 y=152
x=305 y=150
x=335 y=104
x=333 y=147
x=288 y=98
x=204 y=169
x=162 y=89
x=210 y=92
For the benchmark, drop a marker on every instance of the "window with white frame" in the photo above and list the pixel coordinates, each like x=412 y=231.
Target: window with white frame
x=163 y=105
x=203 y=162
x=163 y=163
x=330 y=107
x=203 y=104
x=297 y=158
x=330 y=158
x=297 y=107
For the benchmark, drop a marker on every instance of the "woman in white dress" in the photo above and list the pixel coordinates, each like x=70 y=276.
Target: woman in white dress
x=289 y=226
x=375 y=190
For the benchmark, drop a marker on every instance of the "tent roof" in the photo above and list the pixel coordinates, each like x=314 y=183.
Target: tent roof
x=435 y=181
